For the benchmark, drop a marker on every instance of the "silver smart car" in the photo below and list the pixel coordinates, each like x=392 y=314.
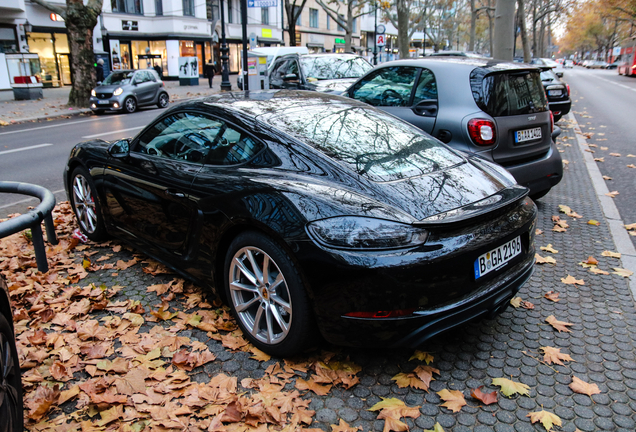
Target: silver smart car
x=127 y=90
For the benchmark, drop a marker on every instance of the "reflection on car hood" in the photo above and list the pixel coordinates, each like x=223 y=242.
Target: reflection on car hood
x=336 y=86
x=107 y=88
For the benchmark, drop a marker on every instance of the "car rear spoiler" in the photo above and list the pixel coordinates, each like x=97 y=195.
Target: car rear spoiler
x=498 y=201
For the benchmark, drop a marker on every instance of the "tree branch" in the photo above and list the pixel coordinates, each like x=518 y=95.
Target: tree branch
x=333 y=14
x=53 y=8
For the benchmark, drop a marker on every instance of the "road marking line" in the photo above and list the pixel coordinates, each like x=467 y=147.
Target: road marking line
x=27 y=200
x=52 y=126
x=24 y=148
x=112 y=132
x=615 y=83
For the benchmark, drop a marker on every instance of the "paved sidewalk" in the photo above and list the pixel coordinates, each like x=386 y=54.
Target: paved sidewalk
x=602 y=341
x=54 y=102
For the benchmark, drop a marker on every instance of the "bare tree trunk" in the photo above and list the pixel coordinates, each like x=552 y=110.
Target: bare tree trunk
x=292 y=16
x=527 y=57
x=541 y=48
x=490 y=28
x=473 y=26
x=403 y=15
x=504 y=29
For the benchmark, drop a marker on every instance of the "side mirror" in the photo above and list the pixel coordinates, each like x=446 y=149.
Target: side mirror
x=99 y=83
x=120 y=149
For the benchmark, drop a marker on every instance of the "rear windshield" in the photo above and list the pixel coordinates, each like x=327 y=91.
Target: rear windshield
x=508 y=93
x=334 y=67
x=370 y=142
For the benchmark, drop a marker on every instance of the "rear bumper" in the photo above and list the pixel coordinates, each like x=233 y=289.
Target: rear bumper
x=539 y=174
x=561 y=107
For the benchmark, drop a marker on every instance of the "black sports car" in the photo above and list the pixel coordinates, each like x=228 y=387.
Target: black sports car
x=558 y=93
x=306 y=210
x=11 y=415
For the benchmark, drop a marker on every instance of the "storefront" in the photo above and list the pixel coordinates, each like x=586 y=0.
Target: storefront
x=51 y=45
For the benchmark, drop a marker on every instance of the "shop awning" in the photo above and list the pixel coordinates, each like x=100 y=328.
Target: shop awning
x=269 y=40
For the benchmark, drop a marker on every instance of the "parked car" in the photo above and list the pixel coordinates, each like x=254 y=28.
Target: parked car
x=558 y=93
x=328 y=72
x=11 y=410
x=494 y=109
x=126 y=90
x=613 y=65
x=272 y=54
x=596 y=65
x=306 y=208
x=456 y=54
x=558 y=68
x=568 y=64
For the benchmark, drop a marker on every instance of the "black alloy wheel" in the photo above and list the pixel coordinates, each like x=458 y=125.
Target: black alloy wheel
x=11 y=416
x=86 y=205
x=130 y=104
x=163 y=100
x=267 y=295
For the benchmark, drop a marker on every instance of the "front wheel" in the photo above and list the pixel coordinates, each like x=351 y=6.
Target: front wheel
x=130 y=105
x=86 y=205
x=267 y=295
x=10 y=381
x=163 y=100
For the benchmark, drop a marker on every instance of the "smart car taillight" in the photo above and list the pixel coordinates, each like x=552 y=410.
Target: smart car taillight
x=568 y=86
x=482 y=131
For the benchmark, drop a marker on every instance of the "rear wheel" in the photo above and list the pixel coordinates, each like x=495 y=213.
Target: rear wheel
x=557 y=118
x=130 y=104
x=10 y=381
x=86 y=205
x=163 y=100
x=267 y=295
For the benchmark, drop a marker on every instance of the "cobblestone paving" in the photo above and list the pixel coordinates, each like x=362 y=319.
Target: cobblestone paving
x=601 y=342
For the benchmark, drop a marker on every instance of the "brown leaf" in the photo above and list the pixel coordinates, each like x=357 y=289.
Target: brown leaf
x=579 y=386
x=454 y=399
x=552 y=295
x=542 y=260
x=549 y=248
x=425 y=373
x=343 y=426
x=591 y=261
x=571 y=280
x=409 y=380
x=485 y=398
x=554 y=355
x=41 y=401
x=612 y=194
x=561 y=326
x=320 y=390
x=546 y=418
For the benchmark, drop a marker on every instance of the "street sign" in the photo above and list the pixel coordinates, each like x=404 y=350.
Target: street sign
x=262 y=3
x=380 y=40
x=380 y=29
x=616 y=51
x=253 y=40
x=340 y=41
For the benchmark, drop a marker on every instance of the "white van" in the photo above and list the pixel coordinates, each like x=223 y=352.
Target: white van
x=272 y=54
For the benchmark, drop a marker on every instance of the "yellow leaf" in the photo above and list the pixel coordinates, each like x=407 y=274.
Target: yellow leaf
x=135 y=319
x=630 y=227
x=612 y=194
x=437 y=428
x=546 y=260
x=546 y=418
x=422 y=356
x=509 y=387
x=387 y=403
x=454 y=399
x=623 y=272
x=516 y=302
x=409 y=380
x=549 y=248
x=593 y=222
x=571 y=280
x=86 y=263
x=611 y=254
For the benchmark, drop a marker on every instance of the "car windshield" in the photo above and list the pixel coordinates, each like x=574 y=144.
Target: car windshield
x=334 y=67
x=119 y=78
x=508 y=93
x=371 y=142
x=548 y=75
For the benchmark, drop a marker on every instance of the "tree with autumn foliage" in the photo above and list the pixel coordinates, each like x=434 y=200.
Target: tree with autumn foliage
x=80 y=20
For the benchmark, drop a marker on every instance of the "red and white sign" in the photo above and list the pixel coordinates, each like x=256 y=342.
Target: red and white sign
x=380 y=40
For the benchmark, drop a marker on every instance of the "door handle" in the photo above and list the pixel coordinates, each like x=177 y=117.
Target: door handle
x=175 y=193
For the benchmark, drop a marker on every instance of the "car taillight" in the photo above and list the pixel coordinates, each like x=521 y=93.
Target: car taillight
x=482 y=131
x=551 y=122
x=568 y=86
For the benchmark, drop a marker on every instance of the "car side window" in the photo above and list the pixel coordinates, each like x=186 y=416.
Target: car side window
x=391 y=86
x=426 y=87
x=140 y=77
x=293 y=68
x=279 y=69
x=197 y=138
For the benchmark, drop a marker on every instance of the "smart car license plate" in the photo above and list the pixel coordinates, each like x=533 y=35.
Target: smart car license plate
x=554 y=92
x=497 y=258
x=527 y=134
x=102 y=102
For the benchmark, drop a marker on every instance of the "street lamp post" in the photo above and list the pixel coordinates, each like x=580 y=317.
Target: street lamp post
x=375 y=36
x=225 y=72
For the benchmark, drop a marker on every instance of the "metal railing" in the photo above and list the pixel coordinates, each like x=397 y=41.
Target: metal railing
x=32 y=219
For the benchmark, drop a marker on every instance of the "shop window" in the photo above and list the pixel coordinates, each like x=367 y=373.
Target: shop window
x=158 y=7
x=328 y=22
x=342 y=18
x=355 y=25
x=8 y=40
x=298 y=19
x=187 y=49
x=139 y=48
x=128 y=6
x=212 y=9
x=230 y=14
x=188 y=7
x=313 y=18
x=265 y=15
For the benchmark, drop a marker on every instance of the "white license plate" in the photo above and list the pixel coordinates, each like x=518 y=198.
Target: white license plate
x=528 y=134
x=497 y=258
x=554 y=92
x=103 y=102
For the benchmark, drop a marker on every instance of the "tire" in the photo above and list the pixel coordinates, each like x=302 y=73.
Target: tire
x=275 y=315
x=86 y=205
x=130 y=105
x=163 y=100
x=557 y=118
x=10 y=381
x=540 y=195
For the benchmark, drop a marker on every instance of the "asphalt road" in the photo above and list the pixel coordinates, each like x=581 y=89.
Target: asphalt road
x=37 y=152
x=604 y=104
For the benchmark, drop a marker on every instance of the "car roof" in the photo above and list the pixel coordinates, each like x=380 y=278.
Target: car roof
x=467 y=63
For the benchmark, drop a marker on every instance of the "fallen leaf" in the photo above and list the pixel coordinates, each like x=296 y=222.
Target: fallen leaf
x=343 y=426
x=615 y=154
x=552 y=295
x=579 y=386
x=519 y=302
x=600 y=159
x=612 y=194
x=561 y=326
x=631 y=166
x=437 y=428
x=422 y=356
x=546 y=418
x=509 y=387
x=607 y=177
x=611 y=254
x=593 y=222
x=554 y=355
x=591 y=261
x=454 y=399
x=516 y=302
x=409 y=380
x=571 y=280
x=541 y=260
x=597 y=270
x=320 y=390
x=485 y=398
x=623 y=272
x=630 y=227
x=549 y=248
x=391 y=411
